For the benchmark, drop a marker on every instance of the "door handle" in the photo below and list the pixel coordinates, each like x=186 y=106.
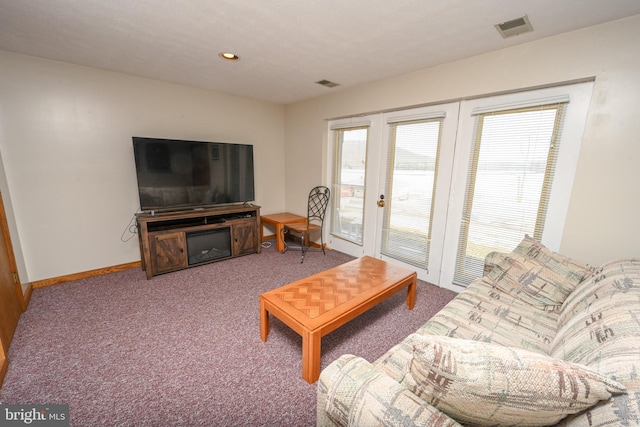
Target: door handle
x=381 y=201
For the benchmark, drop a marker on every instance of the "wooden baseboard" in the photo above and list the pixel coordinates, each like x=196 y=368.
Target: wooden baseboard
x=83 y=275
x=26 y=297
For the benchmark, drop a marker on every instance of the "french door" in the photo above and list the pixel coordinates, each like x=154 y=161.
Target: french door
x=414 y=185
x=355 y=152
x=436 y=188
x=390 y=182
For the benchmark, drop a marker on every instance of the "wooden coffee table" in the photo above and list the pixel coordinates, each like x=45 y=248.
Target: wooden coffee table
x=319 y=304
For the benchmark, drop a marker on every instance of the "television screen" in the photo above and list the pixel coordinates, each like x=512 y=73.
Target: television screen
x=175 y=174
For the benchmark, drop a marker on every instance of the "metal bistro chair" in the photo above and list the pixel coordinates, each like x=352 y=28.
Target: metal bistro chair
x=316 y=209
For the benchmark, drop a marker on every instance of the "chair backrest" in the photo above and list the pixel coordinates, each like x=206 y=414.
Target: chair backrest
x=318 y=202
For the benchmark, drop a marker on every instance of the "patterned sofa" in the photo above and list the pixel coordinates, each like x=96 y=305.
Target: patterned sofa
x=541 y=339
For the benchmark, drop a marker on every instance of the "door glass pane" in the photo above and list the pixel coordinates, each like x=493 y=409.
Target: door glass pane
x=508 y=184
x=348 y=184
x=410 y=190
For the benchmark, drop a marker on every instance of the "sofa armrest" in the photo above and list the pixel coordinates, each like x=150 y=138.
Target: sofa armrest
x=352 y=391
x=491 y=260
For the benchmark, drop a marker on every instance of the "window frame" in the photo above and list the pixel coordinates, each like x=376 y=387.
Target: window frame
x=576 y=115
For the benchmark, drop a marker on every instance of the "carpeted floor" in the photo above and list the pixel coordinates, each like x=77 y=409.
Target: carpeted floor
x=184 y=348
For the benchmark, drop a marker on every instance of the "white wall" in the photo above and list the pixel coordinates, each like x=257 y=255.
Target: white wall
x=602 y=222
x=65 y=139
x=69 y=176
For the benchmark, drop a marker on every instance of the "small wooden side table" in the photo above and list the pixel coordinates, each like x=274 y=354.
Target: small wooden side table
x=278 y=220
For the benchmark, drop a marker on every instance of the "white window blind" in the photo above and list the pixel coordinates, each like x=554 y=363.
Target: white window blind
x=509 y=182
x=410 y=189
x=348 y=185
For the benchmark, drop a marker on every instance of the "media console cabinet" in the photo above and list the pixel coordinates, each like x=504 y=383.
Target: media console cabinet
x=182 y=239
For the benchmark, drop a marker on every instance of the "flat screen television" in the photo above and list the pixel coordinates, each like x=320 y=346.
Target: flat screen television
x=179 y=174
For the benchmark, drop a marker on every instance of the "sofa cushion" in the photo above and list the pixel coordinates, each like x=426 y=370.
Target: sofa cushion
x=486 y=384
x=599 y=326
x=484 y=313
x=619 y=279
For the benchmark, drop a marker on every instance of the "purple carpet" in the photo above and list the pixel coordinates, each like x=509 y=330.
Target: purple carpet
x=184 y=348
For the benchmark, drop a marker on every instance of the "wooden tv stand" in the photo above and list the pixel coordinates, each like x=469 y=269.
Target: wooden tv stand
x=177 y=240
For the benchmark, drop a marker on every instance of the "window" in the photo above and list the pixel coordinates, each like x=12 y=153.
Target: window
x=436 y=188
x=349 y=183
x=512 y=166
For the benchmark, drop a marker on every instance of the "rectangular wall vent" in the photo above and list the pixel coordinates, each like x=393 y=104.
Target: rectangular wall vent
x=327 y=83
x=514 y=27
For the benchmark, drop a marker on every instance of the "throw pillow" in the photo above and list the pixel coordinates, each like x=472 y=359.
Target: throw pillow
x=358 y=393
x=573 y=271
x=486 y=384
x=530 y=280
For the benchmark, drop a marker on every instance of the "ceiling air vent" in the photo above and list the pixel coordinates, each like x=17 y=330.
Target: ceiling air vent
x=327 y=83
x=514 y=27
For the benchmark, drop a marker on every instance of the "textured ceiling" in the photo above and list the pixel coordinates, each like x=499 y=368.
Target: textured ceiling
x=285 y=45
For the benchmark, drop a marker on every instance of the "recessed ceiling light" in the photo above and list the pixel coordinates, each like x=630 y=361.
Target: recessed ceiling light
x=228 y=56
